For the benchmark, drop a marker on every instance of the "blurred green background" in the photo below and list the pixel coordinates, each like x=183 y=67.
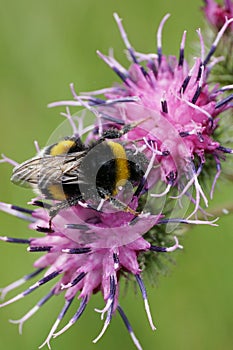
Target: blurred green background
x=45 y=45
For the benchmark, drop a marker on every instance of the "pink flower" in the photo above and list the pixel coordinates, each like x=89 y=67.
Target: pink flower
x=216 y=14
x=164 y=115
x=179 y=107
x=89 y=252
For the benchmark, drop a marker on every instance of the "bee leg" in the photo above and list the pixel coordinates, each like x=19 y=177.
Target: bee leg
x=116 y=202
x=141 y=187
x=70 y=202
x=54 y=210
x=122 y=206
x=114 y=133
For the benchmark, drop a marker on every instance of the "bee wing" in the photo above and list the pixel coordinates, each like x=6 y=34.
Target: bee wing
x=47 y=169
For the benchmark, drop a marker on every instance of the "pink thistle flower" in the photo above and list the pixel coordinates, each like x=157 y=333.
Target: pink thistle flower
x=216 y=13
x=84 y=264
x=90 y=248
x=182 y=107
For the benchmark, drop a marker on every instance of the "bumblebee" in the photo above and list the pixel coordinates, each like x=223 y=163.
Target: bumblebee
x=71 y=173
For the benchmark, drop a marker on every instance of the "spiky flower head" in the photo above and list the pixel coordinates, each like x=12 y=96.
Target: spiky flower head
x=215 y=16
x=183 y=108
x=217 y=13
x=163 y=112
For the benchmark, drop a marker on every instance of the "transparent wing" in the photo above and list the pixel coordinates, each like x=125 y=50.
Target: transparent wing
x=48 y=170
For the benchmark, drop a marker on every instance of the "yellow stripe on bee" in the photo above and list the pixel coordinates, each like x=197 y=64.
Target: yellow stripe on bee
x=56 y=192
x=122 y=167
x=62 y=147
